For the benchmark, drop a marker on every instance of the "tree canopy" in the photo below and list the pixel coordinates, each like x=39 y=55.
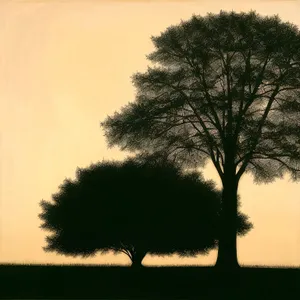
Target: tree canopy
x=223 y=87
x=135 y=207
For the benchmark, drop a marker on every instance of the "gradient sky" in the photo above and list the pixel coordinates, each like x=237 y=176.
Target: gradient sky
x=65 y=66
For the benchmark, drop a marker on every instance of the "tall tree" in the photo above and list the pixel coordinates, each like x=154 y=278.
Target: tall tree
x=224 y=87
x=134 y=207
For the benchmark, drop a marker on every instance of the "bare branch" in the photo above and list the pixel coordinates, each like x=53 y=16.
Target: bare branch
x=255 y=138
x=258 y=82
x=208 y=98
x=282 y=162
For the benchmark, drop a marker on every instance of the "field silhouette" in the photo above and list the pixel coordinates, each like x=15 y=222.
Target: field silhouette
x=113 y=282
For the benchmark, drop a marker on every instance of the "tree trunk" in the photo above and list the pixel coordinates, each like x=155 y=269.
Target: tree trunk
x=137 y=258
x=227 y=252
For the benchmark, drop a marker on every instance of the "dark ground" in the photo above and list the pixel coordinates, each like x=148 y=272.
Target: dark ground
x=101 y=282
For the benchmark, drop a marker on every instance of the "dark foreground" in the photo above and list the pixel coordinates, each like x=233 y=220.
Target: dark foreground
x=94 y=282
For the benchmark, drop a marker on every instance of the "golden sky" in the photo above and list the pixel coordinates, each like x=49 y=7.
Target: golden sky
x=65 y=66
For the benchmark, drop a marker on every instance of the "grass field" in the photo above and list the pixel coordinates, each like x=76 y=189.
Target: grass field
x=113 y=282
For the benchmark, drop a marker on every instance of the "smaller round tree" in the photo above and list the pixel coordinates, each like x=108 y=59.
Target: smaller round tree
x=136 y=207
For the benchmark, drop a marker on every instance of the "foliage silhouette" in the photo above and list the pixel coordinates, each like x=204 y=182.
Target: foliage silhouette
x=136 y=207
x=225 y=87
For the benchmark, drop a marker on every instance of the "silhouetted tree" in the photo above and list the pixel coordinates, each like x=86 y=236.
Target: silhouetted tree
x=225 y=87
x=136 y=207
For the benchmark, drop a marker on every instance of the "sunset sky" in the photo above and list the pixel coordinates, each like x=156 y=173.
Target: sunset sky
x=65 y=66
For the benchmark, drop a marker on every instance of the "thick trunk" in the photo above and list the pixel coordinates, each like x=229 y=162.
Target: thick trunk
x=227 y=252
x=137 y=258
